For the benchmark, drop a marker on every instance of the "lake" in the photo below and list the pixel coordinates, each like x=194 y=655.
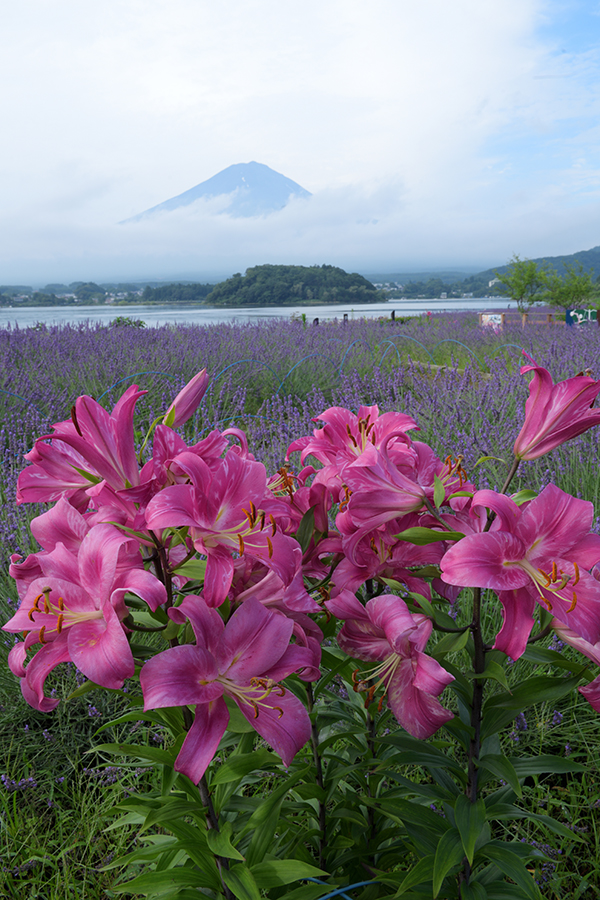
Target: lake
x=25 y=317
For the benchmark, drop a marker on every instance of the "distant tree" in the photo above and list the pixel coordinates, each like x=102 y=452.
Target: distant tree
x=89 y=291
x=574 y=289
x=525 y=282
x=278 y=285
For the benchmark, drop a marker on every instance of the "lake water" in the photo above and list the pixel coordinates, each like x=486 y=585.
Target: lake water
x=165 y=315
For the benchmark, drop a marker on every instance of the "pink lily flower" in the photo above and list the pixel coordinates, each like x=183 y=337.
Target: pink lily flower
x=541 y=553
x=379 y=490
x=228 y=509
x=91 y=448
x=244 y=660
x=345 y=436
x=379 y=554
x=75 y=610
x=187 y=400
x=590 y=691
x=62 y=529
x=554 y=413
x=386 y=631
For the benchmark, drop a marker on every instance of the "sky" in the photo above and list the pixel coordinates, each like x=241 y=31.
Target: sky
x=431 y=134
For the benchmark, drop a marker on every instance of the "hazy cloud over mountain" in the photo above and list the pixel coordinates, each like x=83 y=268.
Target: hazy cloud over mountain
x=428 y=133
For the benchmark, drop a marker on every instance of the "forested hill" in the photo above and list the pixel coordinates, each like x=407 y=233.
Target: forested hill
x=292 y=285
x=589 y=259
x=176 y=293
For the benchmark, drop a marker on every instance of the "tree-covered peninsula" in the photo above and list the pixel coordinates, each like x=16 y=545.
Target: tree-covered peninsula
x=270 y=285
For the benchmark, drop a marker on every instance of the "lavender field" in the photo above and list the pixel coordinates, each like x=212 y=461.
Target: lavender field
x=459 y=381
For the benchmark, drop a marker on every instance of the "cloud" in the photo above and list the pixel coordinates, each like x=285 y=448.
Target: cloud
x=361 y=228
x=429 y=133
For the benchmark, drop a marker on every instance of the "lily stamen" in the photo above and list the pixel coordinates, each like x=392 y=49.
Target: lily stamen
x=573 y=604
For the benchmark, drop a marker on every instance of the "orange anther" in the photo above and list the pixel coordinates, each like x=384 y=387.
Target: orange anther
x=573 y=604
x=270 y=546
x=41 y=635
x=554 y=571
x=576 y=567
x=59 y=623
x=546 y=576
x=241 y=543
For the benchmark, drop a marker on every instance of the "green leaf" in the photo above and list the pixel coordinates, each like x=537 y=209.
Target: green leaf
x=171 y=631
x=473 y=891
x=240 y=881
x=193 y=568
x=83 y=689
x=495 y=672
x=137 y=751
x=439 y=491
x=156 y=881
x=219 y=842
x=449 y=853
x=419 y=874
x=170 y=417
x=470 y=819
x=554 y=826
x=424 y=603
x=537 y=765
x=502 y=767
x=508 y=857
x=349 y=815
x=277 y=872
x=238 y=723
x=239 y=766
x=460 y=494
x=171 y=810
x=309 y=892
x=93 y=479
x=502 y=708
x=523 y=496
x=483 y=459
x=419 y=752
x=263 y=821
x=450 y=643
x=421 y=536
x=306 y=529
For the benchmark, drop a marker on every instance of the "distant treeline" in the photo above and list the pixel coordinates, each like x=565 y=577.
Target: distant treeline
x=37 y=298
x=435 y=287
x=270 y=285
x=176 y=293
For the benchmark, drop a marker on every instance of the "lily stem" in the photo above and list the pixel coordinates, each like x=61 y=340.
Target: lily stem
x=476 y=714
x=510 y=476
x=314 y=739
x=212 y=820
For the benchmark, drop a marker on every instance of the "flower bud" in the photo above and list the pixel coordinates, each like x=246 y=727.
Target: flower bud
x=187 y=400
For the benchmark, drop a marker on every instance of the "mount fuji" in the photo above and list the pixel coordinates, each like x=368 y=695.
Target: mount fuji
x=254 y=190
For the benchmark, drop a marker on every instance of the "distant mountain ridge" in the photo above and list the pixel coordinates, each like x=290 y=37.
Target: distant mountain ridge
x=256 y=190
x=589 y=259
